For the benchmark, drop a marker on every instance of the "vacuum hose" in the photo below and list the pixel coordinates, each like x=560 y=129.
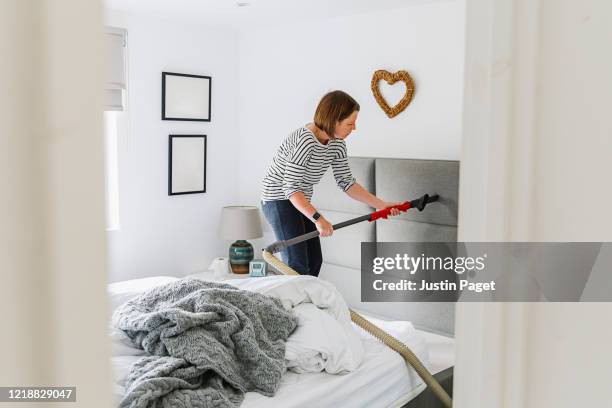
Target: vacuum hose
x=359 y=320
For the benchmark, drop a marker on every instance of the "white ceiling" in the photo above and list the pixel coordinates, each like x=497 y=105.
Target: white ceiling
x=226 y=13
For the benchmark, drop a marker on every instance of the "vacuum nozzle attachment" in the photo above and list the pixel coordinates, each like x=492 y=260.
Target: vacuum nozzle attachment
x=421 y=202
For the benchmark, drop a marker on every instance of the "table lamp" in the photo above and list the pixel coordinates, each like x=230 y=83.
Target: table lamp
x=240 y=223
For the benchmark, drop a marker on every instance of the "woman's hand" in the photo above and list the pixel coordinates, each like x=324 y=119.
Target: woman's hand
x=357 y=192
x=394 y=211
x=324 y=227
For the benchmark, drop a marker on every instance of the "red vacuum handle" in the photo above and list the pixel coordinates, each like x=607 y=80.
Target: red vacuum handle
x=419 y=204
x=384 y=213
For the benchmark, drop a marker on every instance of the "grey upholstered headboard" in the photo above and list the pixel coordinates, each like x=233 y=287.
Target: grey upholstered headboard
x=392 y=180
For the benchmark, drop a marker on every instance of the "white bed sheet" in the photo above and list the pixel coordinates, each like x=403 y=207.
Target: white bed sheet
x=383 y=379
x=441 y=349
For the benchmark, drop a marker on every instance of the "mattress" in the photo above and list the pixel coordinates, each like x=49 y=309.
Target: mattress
x=382 y=380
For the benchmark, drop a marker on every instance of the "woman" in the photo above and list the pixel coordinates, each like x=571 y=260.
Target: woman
x=298 y=165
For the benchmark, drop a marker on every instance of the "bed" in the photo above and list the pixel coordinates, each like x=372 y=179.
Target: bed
x=383 y=379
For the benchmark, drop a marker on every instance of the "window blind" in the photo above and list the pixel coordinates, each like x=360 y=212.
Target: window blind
x=116 y=41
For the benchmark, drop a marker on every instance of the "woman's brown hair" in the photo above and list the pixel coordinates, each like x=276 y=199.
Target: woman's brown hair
x=334 y=107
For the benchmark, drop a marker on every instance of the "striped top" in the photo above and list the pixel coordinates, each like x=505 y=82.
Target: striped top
x=301 y=162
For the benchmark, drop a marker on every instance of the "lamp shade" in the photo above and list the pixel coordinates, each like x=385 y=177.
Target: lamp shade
x=240 y=222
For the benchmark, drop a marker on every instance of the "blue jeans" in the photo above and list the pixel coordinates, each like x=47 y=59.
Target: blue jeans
x=287 y=222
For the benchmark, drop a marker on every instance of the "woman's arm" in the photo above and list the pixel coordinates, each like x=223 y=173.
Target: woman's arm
x=346 y=182
x=357 y=192
x=300 y=202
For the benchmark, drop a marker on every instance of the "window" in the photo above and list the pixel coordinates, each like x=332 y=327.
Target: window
x=116 y=42
x=114 y=118
x=111 y=174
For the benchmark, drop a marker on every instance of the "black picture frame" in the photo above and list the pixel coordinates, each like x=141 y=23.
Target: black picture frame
x=168 y=109
x=175 y=171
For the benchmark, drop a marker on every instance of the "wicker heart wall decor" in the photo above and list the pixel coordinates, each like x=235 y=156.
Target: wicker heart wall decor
x=392 y=79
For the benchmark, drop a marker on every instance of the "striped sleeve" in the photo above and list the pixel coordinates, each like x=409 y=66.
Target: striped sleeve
x=295 y=167
x=340 y=166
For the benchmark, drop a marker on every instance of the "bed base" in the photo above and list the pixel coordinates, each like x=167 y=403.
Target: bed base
x=427 y=399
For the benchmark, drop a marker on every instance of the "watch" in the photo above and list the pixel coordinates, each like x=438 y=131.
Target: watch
x=316 y=216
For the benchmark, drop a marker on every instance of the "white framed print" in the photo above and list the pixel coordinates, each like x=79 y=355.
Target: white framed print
x=186 y=164
x=186 y=97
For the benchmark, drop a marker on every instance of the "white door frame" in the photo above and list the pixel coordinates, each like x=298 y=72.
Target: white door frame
x=495 y=183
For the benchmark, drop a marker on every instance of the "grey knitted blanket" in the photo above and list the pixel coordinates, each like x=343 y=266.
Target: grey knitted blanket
x=209 y=343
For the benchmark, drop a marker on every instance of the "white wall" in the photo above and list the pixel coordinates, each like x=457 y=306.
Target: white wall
x=159 y=234
x=266 y=83
x=286 y=69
